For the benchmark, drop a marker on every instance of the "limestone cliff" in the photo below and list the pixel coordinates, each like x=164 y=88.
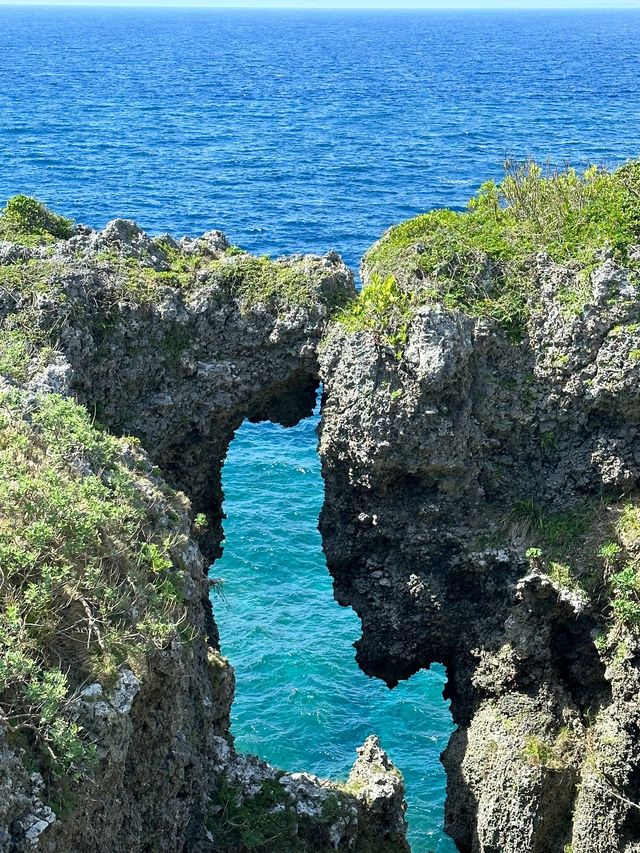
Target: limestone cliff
x=481 y=455
x=114 y=698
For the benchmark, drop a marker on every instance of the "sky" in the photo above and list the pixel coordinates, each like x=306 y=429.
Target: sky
x=347 y=4
x=344 y=4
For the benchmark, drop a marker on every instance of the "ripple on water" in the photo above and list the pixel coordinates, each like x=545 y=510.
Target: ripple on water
x=301 y=700
x=296 y=131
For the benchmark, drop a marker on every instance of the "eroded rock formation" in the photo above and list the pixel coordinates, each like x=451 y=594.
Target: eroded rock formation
x=481 y=495
x=481 y=457
x=174 y=344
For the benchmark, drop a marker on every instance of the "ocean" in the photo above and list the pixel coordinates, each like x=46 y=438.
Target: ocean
x=304 y=131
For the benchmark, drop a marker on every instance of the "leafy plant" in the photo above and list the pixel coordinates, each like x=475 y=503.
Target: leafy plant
x=200 y=523
x=561 y=574
x=626 y=602
x=25 y=218
x=480 y=261
x=383 y=307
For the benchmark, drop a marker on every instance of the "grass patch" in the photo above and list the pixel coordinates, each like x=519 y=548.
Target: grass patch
x=538 y=752
x=555 y=755
x=480 y=261
x=27 y=279
x=15 y=354
x=265 y=822
x=556 y=533
x=88 y=581
x=262 y=281
x=590 y=547
x=26 y=345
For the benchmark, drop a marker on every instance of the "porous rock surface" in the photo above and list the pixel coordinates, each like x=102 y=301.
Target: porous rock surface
x=437 y=460
x=180 y=371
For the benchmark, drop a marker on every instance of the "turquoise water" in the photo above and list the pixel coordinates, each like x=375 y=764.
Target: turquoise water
x=304 y=131
x=301 y=701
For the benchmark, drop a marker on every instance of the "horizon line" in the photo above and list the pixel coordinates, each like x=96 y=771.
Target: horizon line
x=335 y=5
x=176 y=4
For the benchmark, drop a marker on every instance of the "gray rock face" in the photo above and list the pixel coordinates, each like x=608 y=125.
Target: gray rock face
x=442 y=467
x=375 y=781
x=23 y=815
x=180 y=368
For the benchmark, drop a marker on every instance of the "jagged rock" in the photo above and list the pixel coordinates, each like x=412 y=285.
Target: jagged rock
x=176 y=351
x=212 y=243
x=442 y=461
x=376 y=782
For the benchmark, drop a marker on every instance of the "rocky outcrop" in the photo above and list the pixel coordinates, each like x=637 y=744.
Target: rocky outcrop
x=481 y=503
x=177 y=343
x=480 y=451
x=174 y=344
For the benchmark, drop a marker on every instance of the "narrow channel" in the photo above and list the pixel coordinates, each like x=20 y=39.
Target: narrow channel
x=301 y=701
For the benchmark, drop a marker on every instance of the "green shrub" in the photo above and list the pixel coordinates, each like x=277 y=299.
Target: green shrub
x=626 y=596
x=609 y=551
x=479 y=261
x=24 y=217
x=87 y=579
x=383 y=307
x=200 y=523
x=265 y=822
x=562 y=575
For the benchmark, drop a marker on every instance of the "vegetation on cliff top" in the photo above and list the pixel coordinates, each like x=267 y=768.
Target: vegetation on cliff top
x=89 y=577
x=480 y=261
x=40 y=294
x=27 y=221
x=251 y=280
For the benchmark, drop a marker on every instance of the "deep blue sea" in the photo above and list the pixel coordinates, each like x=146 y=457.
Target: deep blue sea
x=304 y=131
